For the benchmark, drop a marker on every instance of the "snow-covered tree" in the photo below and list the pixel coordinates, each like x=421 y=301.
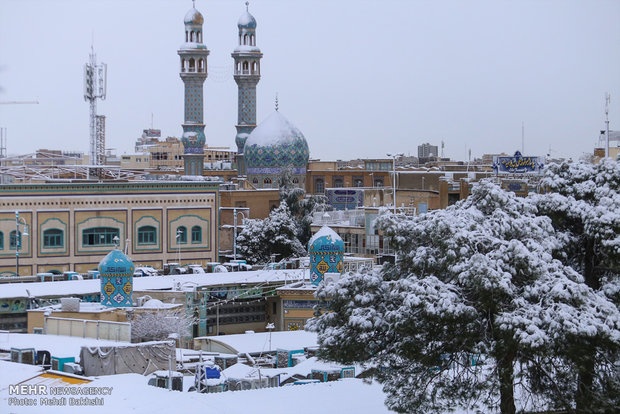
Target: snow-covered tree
x=583 y=202
x=473 y=312
x=159 y=325
x=277 y=234
x=301 y=205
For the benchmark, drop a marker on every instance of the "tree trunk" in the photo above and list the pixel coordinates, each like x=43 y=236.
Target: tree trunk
x=585 y=377
x=583 y=398
x=505 y=369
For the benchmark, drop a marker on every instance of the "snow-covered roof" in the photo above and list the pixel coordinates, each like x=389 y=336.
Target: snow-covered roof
x=275 y=129
x=86 y=287
x=253 y=343
x=246 y=48
x=323 y=232
x=57 y=345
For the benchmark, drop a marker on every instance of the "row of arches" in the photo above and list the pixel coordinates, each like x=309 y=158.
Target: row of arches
x=193 y=65
x=247 y=68
x=247 y=40
x=193 y=36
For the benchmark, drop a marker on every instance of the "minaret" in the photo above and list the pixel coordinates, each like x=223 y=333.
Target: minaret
x=247 y=74
x=193 y=54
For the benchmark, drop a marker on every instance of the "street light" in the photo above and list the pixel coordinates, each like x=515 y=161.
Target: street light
x=178 y=238
x=394 y=176
x=18 y=239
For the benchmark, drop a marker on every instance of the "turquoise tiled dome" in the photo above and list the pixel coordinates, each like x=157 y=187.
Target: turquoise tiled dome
x=116 y=263
x=276 y=143
x=116 y=275
x=326 y=251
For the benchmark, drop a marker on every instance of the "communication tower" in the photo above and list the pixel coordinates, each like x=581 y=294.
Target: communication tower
x=95 y=77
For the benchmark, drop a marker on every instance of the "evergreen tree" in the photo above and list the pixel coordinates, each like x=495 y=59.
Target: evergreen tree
x=584 y=205
x=301 y=206
x=277 y=234
x=471 y=314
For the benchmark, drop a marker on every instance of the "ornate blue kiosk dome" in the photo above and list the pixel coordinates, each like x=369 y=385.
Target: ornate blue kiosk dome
x=193 y=17
x=116 y=275
x=276 y=144
x=326 y=250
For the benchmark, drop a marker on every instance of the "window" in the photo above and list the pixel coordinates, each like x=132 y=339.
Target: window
x=1 y=240
x=53 y=238
x=181 y=234
x=358 y=182
x=196 y=234
x=13 y=240
x=319 y=186
x=147 y=235
x=99 y=236
x=338 y=182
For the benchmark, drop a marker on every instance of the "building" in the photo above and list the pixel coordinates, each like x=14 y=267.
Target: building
x=193 y=54
x=71 y=225
x=427 y=151
x=247 y=58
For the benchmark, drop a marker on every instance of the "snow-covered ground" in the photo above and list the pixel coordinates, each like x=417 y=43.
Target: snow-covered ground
x=131 y=394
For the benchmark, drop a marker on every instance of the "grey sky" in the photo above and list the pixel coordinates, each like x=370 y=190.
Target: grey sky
x=359 y=78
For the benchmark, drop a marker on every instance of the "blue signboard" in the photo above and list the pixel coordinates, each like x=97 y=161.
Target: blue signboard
x=517 y=164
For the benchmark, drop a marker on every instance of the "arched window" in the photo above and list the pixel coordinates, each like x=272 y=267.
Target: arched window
x=182 y=65
x=358 y=183
x=338 y=183
x=53 y=238
x=255 y=180
x=378 y=182
x=201 y=65
x=238 y=67
x=267 y=182
x=319 y=186
x=13 y=240
x=181 y=234
x=245 y=39
x=196 y=234
x=186 y=36
x=191 y=36
x=246 y=68
x=147 y=235
x=252 y=40
x=192 y=65
x=199 y=37
x=253 y=67
x=99 y=236
x=1 y=240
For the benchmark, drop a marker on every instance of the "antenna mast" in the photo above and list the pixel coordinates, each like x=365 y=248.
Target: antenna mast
x=607 y=100
x=95 y=80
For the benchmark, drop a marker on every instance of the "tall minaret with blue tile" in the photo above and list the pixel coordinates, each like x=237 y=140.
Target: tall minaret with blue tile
x=193 y=54
x=247 y=74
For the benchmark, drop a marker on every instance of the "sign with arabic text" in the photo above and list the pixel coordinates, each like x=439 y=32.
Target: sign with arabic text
x=518 y=164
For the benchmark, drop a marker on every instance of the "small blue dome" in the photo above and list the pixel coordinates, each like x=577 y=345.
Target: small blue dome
x=326 y=251
x=116 y=264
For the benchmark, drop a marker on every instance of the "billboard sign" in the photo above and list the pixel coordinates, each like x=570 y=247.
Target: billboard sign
x=518 y=164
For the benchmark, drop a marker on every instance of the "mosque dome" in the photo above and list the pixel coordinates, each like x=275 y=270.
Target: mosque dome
x=326 y=251
x=116 y=263
x=246 y=21
x=276 y=142
x=194 y=17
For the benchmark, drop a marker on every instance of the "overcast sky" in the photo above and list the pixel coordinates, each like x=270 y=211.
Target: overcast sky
x=358 y=78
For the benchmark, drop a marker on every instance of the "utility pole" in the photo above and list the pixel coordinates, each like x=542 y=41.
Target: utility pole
x=607 y=100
